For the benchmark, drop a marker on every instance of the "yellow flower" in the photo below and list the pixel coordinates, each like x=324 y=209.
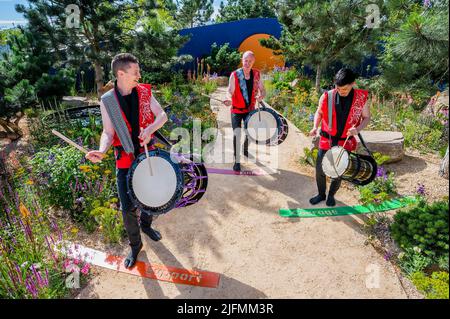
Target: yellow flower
x=29 y=182
x=84 y=168
x=74 y=230
x=95 y=167
x=107 y=172
x=24 y=211
x=109 y=152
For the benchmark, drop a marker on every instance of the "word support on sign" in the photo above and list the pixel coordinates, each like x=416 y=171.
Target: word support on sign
x=142 y=269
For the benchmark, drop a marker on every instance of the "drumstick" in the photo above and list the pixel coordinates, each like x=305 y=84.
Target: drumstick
x=70 y=141
x=259 y=112
x=342 y=151
x=212 y=98
x=148 y=157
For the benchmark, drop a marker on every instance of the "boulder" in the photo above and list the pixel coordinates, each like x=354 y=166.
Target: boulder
x=75 y=101
x=384 y=142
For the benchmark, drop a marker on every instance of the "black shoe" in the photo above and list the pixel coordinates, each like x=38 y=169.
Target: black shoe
x=245 y=153
x=132 y=257
x=330 y=201
x=237 y=167
x=317 y=199
x=152 y=233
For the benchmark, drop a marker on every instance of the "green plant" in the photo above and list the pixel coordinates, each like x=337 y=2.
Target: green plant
x=412 y=260
x=209 y=87
x=55 y=169
x=434 y=287
x=381 y=158
x=310 y=156
x=109 y=220
x=424 y=226
x=382 y=188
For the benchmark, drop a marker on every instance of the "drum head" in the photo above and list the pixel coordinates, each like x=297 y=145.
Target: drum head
x=330 y=166
x=158 y=190
x=261 y=125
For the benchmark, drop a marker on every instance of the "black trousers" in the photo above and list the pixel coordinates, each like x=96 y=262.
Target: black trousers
x=321 y=178
x=237 y=119
x=129 y=211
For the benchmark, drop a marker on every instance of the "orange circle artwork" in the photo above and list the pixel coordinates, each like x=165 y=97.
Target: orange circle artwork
x=265 y=59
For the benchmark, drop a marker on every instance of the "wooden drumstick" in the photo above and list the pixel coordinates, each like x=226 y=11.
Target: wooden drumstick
x=70 y=141
x=148 y=157
x=212 y=98
x=342 y=151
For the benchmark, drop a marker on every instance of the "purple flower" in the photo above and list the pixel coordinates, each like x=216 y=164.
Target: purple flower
x=427 y=3
x=311 y=117
x=421 y=189
x=51 y=157
x=387 y=255
x=381 y=172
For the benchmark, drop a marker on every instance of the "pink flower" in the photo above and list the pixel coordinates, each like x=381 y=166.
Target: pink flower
x=76 y=261
x=85 y=269
x=67 y=263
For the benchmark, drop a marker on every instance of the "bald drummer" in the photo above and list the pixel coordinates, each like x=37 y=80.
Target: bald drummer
x=245 y=88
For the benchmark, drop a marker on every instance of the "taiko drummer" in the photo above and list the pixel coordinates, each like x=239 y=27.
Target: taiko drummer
x=130 y=116
x=245 y=88
x=350 y=115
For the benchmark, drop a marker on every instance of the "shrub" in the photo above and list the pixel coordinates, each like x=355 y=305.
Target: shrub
x=424 y=226
x=223 y=59
x=50 y=87
x=22 y=94
x=434 y=287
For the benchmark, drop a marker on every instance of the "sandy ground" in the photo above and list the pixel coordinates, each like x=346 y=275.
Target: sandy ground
x=235 y=230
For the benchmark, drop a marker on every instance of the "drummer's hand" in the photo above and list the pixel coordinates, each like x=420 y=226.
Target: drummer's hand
x=227 y=102
x=259 y=98
x=313 y=132
x=352 y=131
x=95 y=156
x=145 y=135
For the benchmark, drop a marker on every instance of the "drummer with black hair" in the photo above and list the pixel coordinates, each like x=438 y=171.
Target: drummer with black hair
x=350 y=115
x=130 y=116
x=245 y=88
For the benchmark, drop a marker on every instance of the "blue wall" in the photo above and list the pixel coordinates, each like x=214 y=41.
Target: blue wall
x=235 y=32
x=229 y=32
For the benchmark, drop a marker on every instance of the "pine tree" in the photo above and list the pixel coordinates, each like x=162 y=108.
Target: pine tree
x=318 y=33
x=193 y=13
x=29 y=56
x=245 y=9
x=87 y=30
x=416 y=52
x=94 y=31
